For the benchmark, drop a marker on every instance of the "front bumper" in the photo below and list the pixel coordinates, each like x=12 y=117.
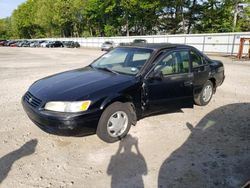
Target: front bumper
x=64 y=124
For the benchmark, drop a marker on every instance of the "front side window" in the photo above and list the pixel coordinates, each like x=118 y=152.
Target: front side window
x=124 y=60
x=195 y=59
x=174 y=63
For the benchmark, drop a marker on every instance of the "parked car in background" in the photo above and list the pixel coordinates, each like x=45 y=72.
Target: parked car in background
x=26 y=44
x=71 y=44
x=38 y=44
x=14 y=44
x=66 y=44
x=20 y=43
x=10 y=42
x=121 y=87
x=107 y=46
x=136 y=41
x=77 y=45
x=44 y=43
x=32 y=43
x=3 y=42
x=54 y=44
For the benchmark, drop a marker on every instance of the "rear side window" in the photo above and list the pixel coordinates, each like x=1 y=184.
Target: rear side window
x=195 y=59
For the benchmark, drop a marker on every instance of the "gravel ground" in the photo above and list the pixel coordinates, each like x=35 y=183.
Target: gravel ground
x=201 y=147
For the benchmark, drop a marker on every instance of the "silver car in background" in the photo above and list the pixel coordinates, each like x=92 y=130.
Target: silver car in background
x=107 y=46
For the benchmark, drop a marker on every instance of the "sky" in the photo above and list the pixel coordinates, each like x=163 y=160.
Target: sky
x=7 y=7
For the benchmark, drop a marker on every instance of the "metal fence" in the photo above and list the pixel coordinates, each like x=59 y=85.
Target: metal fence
x=226 y=43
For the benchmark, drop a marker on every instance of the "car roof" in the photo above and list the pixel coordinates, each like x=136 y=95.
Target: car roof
x=155 y=46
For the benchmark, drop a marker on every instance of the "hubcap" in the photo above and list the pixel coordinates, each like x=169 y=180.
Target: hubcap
x=207 y=93
x=117 y=124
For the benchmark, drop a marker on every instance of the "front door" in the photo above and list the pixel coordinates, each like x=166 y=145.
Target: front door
x=174 y=87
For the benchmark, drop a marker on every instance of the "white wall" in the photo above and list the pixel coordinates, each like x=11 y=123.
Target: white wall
x=227 y=43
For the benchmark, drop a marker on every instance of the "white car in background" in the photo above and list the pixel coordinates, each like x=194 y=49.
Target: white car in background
x=44 y=44
x=107 y=46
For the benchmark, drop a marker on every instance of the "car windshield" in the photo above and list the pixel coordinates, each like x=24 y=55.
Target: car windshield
x=123 y=60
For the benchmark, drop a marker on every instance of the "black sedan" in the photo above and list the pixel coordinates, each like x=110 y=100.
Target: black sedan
x=71 y=44
x=54 y=44
x=121 y=87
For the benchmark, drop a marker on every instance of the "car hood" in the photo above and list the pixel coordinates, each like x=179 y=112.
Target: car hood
x=76 y=84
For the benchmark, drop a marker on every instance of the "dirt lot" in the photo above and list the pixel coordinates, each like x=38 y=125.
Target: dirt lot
x=200 y=147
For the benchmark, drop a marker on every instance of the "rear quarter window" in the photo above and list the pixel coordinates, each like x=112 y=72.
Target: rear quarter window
x=195 y=59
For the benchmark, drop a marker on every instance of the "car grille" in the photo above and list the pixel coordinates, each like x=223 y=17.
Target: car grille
x=32 y=100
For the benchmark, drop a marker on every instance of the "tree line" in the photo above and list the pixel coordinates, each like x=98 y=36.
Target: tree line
x=84 y=18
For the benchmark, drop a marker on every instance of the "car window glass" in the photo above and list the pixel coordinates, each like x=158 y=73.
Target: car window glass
x=195 y=59
x=124 y=60
x=118 y=57
x=185 y=58
x=176 y=62
x=140 y=56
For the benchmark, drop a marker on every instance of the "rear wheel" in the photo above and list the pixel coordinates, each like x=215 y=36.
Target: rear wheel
x=206 y=94
x=115 y=122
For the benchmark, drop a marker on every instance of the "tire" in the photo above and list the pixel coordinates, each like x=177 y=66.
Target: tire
x=122 y=111
x=201 y=100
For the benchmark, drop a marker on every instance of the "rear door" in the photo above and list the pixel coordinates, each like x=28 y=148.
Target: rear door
x=201 y=70
x=175 y=88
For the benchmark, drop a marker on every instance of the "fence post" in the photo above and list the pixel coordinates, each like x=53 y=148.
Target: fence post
x=228 y=43
x=232 y=51
x=203 y=43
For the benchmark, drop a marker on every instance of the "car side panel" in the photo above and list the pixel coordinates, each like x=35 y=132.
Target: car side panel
x=217 y=72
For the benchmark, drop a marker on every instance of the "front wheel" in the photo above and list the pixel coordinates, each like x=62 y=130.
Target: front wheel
x=115 y=122
x=206 y=94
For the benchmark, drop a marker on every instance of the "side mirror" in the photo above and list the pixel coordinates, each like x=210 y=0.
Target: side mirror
x=156 y=75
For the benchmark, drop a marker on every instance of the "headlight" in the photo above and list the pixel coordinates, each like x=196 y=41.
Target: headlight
x=78 y=106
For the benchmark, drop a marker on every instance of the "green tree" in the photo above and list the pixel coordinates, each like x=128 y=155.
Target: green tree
x=5 y=28
x=243 y=23
x=23 y=23
x=216 y=16
x=75 y=18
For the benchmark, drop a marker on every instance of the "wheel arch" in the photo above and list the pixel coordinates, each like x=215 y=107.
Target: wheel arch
x=123 y=99
x=213 y=80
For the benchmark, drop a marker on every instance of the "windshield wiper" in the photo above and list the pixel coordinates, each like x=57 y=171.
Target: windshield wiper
x=106 y=69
